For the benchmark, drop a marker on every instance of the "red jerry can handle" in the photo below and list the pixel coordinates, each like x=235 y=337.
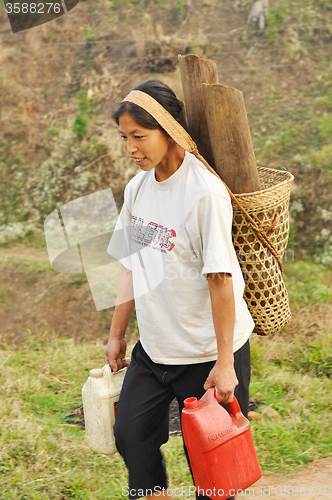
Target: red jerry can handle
x=210 y=396
x=233 y=407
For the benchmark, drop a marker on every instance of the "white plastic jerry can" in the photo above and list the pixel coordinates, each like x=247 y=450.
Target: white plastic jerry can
x=100 y=395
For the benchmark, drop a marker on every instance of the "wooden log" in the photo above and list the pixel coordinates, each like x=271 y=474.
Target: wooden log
x=230 y=138
x=194 y=72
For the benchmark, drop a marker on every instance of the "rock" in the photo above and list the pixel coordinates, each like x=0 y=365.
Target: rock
x=270 y=412
x=31 y=107
x=253 y=415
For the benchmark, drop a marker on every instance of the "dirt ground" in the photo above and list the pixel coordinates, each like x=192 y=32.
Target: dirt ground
x=314 y=481
x=34 y=297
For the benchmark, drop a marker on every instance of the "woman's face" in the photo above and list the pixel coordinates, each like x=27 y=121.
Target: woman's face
x=147 y=147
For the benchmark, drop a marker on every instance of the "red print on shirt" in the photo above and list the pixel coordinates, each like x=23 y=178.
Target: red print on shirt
x=154 y=234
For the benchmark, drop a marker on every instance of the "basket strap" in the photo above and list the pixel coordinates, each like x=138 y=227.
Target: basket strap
x=175 y=130
x=261 y=235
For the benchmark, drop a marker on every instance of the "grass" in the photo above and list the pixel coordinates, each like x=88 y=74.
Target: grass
x=42 y=456
x=307 y=283
x=303 y=433
x=26 y=266
x=43 y=452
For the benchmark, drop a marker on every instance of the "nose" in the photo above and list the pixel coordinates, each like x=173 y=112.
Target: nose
x=130 y=146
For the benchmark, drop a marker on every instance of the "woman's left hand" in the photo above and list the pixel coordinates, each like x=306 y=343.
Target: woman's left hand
x=223 y=378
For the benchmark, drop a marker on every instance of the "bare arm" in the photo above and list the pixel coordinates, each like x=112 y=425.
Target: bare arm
x=222 y=375
x=117 y=345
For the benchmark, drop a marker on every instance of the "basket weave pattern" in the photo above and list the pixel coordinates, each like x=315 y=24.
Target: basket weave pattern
x=265 y=291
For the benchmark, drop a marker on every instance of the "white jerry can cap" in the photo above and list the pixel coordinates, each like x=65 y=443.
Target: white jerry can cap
x=96 y=373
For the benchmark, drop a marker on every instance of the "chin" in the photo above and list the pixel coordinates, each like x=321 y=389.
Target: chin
x=146 y=167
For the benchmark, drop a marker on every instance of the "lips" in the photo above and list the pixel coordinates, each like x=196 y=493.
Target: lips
x=139 y=161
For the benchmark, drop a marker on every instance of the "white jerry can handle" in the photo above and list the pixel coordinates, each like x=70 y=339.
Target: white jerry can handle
x=107 y=372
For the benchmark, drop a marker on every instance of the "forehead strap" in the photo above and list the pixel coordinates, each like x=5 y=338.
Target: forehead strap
x=164 y=118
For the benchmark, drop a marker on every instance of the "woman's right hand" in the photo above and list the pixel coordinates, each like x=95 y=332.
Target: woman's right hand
x=116 y=353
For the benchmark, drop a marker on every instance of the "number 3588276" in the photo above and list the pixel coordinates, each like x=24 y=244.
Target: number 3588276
x=32 y=8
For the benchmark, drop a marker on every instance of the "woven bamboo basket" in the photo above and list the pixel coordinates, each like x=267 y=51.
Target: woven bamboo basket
x=260 y=261
x=265 y=291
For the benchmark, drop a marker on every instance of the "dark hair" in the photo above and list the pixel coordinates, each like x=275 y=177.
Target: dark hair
x=161 y=93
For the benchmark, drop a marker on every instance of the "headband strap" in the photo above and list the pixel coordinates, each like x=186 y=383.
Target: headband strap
x=163 y=117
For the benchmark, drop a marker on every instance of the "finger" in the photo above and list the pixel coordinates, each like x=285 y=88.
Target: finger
x=230 y=399
x=220 y=397
x=119 y=364
x=208 y=383
x=113 y=364
x=224 y=396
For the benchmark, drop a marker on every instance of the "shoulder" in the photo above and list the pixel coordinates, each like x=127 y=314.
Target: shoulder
x=207 y=197
x=202 y=186
x=206 y=182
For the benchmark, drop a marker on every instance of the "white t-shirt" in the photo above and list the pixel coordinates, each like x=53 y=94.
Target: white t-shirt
x=171 y=234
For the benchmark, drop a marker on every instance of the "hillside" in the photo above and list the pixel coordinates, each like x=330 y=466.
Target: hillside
x=59 y=82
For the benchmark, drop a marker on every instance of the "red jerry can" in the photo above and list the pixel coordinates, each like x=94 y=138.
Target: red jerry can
x=220 y=446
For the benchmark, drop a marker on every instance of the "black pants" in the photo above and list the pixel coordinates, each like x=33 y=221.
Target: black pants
x=141 y=425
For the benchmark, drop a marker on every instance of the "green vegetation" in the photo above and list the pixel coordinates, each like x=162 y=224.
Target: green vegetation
x=13 y=178
x=303 y=433
x=307 y=283
x=54 y=130
x=82 y=119
x=89 y=37
x=180 y=7
x=43 y=452
x=275 y=19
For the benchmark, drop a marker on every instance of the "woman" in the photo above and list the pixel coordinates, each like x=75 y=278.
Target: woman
x=180 y=271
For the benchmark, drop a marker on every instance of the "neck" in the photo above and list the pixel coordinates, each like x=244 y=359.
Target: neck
x=170 y=163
